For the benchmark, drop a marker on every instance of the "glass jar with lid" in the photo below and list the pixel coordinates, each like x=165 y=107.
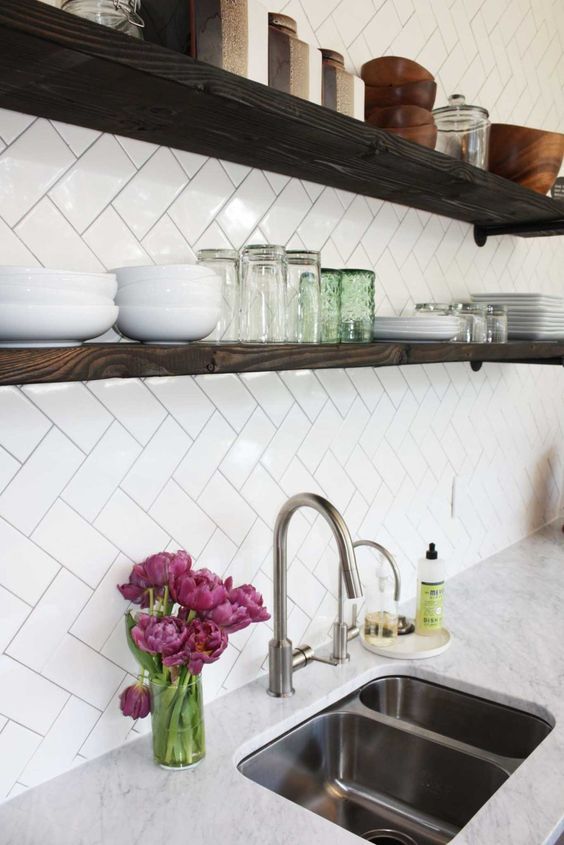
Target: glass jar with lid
x=122 y=15
x=303 y=297
x=225 y=262
x=496 y=317
x=463 y=131
x=263 y=293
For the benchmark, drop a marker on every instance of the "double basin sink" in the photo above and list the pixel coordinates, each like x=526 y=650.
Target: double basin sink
x=401 y=761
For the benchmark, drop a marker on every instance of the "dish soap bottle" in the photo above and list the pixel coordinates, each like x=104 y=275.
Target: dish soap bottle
x=381 y=618
x=430 y=590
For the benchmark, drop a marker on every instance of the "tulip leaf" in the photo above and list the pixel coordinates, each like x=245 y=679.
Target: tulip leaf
x=145 y=660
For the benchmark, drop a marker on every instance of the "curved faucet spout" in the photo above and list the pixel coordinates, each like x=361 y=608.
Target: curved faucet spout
x=280 y=649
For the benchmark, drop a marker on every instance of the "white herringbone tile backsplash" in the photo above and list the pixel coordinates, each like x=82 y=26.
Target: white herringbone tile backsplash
x=95 y=476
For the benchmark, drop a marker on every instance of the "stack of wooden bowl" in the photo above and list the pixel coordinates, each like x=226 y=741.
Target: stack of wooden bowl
x=400 y=95
x=530 y=157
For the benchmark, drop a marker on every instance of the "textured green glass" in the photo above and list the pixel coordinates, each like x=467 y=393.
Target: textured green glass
x=330 y=306
x=177 y=718
x=357 y=305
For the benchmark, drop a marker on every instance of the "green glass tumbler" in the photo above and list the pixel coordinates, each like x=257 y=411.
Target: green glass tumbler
x=357 y=306
x=330 y=306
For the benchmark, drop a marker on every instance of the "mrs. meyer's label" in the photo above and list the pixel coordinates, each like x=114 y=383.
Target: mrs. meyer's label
x=431 y=605
x=557 y=190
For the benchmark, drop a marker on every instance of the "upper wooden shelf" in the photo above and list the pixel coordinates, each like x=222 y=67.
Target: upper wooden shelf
x=59 y=66
x=136 y=360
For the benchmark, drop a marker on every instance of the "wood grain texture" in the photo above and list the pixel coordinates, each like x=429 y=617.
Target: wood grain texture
x=530 y=157
x=61 y=67
x=133 y=360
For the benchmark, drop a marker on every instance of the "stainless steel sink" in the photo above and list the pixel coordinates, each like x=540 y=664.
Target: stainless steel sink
x=400 y=761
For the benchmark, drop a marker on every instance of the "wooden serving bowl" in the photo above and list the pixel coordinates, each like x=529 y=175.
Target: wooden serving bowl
x=425 y=136
x=399 y=117
x=420 y=94
x=393 y=70
x=530 y=157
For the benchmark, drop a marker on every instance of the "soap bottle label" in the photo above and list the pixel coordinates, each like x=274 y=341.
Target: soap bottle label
x=430 y=610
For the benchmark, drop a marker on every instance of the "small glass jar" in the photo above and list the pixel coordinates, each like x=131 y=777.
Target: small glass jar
x=122 y=15
x=463 y=132
x=357 y=306
x=303 y=297
x=473 y=328
x=330 y=306
x=380 y=626
x=263 y=294
x=496 y=321
x=225 y=262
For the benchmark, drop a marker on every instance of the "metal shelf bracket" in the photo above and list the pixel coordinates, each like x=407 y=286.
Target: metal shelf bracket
x=542 y=229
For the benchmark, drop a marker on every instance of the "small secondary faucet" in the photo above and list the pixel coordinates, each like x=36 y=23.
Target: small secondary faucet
x=280 y=652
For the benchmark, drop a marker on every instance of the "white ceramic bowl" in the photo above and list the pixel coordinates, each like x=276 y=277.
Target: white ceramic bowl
x=101 y=284
x=181 y=272
x=185 y=294
x=166 y=325
x=56 y=322
x=28 y=295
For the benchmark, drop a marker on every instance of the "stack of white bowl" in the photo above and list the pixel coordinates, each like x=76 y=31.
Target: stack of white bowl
x=41 y=307
x=168 y=304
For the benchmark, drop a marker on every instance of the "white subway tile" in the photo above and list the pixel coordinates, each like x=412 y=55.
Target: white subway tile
x=113 y=242
x=73 y=409
x=49 y=621
x=228 y=508
x=138 y=151
x=8 y=468
x=40 y=480
x=105 y=608
x=24 y=568
x=14 y=252
x=205 y=455
x=102 y=471
x=230 y=396
x=74 y=543
x=286 y=213
x=133 y=405
x=129 y=528
x=17 y=744
x=271 y=393
x=184 y=400
x=263 y=494
x=156 y=463
x=77 y=137
x=286 y=442
x=22 y=426
x=185 y=521
x=110 y=730
x=199 y=203
x=117 y=650
x=247 y=449
x=245 y=208
x=14 y=613
x=218 y=553
x=13 y=123
x=307 y=391
x=28 y=698
x=84 y=672
x=165 y=244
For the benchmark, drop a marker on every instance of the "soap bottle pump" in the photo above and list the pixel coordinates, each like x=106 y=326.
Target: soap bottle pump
x=430 y=590
x=381 y=617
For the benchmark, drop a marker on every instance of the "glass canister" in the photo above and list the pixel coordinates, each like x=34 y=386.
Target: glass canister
x=357 y=306
x=496 y=322
x=463 y=132
x=341 y=90
x=122 y=15
x=226 y=263
x=330 y=306
x=303 y=297
x=263 y=294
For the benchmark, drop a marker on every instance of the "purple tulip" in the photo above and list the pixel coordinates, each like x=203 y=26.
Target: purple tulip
x=206 y=643
x=199 y=590
x=154 y=573
x=242 y=606
x=166 y=636
x=135 y=701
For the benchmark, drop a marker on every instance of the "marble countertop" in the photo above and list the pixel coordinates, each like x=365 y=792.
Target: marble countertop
x=507 y=617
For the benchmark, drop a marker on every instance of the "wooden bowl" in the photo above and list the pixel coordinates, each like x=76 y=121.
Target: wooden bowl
x=398 y=117
x=420 y=94
x=530 y=157
x=425 y=136
x=393 y=70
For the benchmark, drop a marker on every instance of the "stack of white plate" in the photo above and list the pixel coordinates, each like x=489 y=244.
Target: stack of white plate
x=170 y=304
x=530 y=316
x=41 y=307
x=427 y=327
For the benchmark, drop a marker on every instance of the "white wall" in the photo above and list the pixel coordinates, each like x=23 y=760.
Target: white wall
x=94 y=476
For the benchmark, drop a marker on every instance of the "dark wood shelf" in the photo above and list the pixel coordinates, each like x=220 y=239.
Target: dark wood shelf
x=133 y=360
x=59 y=66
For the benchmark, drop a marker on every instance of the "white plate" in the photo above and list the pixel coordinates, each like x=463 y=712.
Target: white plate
x=532 y=334
x=426 y=322
x=412 y=335
x=55 y=322
x=413 y=646
x=517 y=297
x=167 y=324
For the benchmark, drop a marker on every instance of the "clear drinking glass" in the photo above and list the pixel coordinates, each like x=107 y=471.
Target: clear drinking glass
x=303 y=297
x=357 y=305
x=440 y=308
x=496 y=321
x=330 y=306
x=122 y=15
x=263 y=294
x=225 y=262
x=473 y=322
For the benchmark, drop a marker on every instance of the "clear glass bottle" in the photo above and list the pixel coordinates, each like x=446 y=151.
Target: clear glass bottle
x=463 y=132
x=330 y=306
x=263 y=294
x=357 y=306
x=496 y=320
x=122 y=15
x=303 y=297
x=380 y=625
x=225 y=262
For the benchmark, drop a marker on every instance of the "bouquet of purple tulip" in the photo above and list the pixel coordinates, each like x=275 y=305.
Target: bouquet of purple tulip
x=187 y=617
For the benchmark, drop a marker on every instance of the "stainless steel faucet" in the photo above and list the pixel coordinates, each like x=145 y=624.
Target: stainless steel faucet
x=282 y=658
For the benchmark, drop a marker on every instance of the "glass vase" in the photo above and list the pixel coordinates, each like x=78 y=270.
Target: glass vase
x=177 y=717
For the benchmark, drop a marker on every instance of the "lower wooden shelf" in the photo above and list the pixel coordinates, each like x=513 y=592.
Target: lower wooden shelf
x=135 y=360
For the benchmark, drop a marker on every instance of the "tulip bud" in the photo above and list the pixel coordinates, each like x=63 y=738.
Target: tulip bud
x=135 y=701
